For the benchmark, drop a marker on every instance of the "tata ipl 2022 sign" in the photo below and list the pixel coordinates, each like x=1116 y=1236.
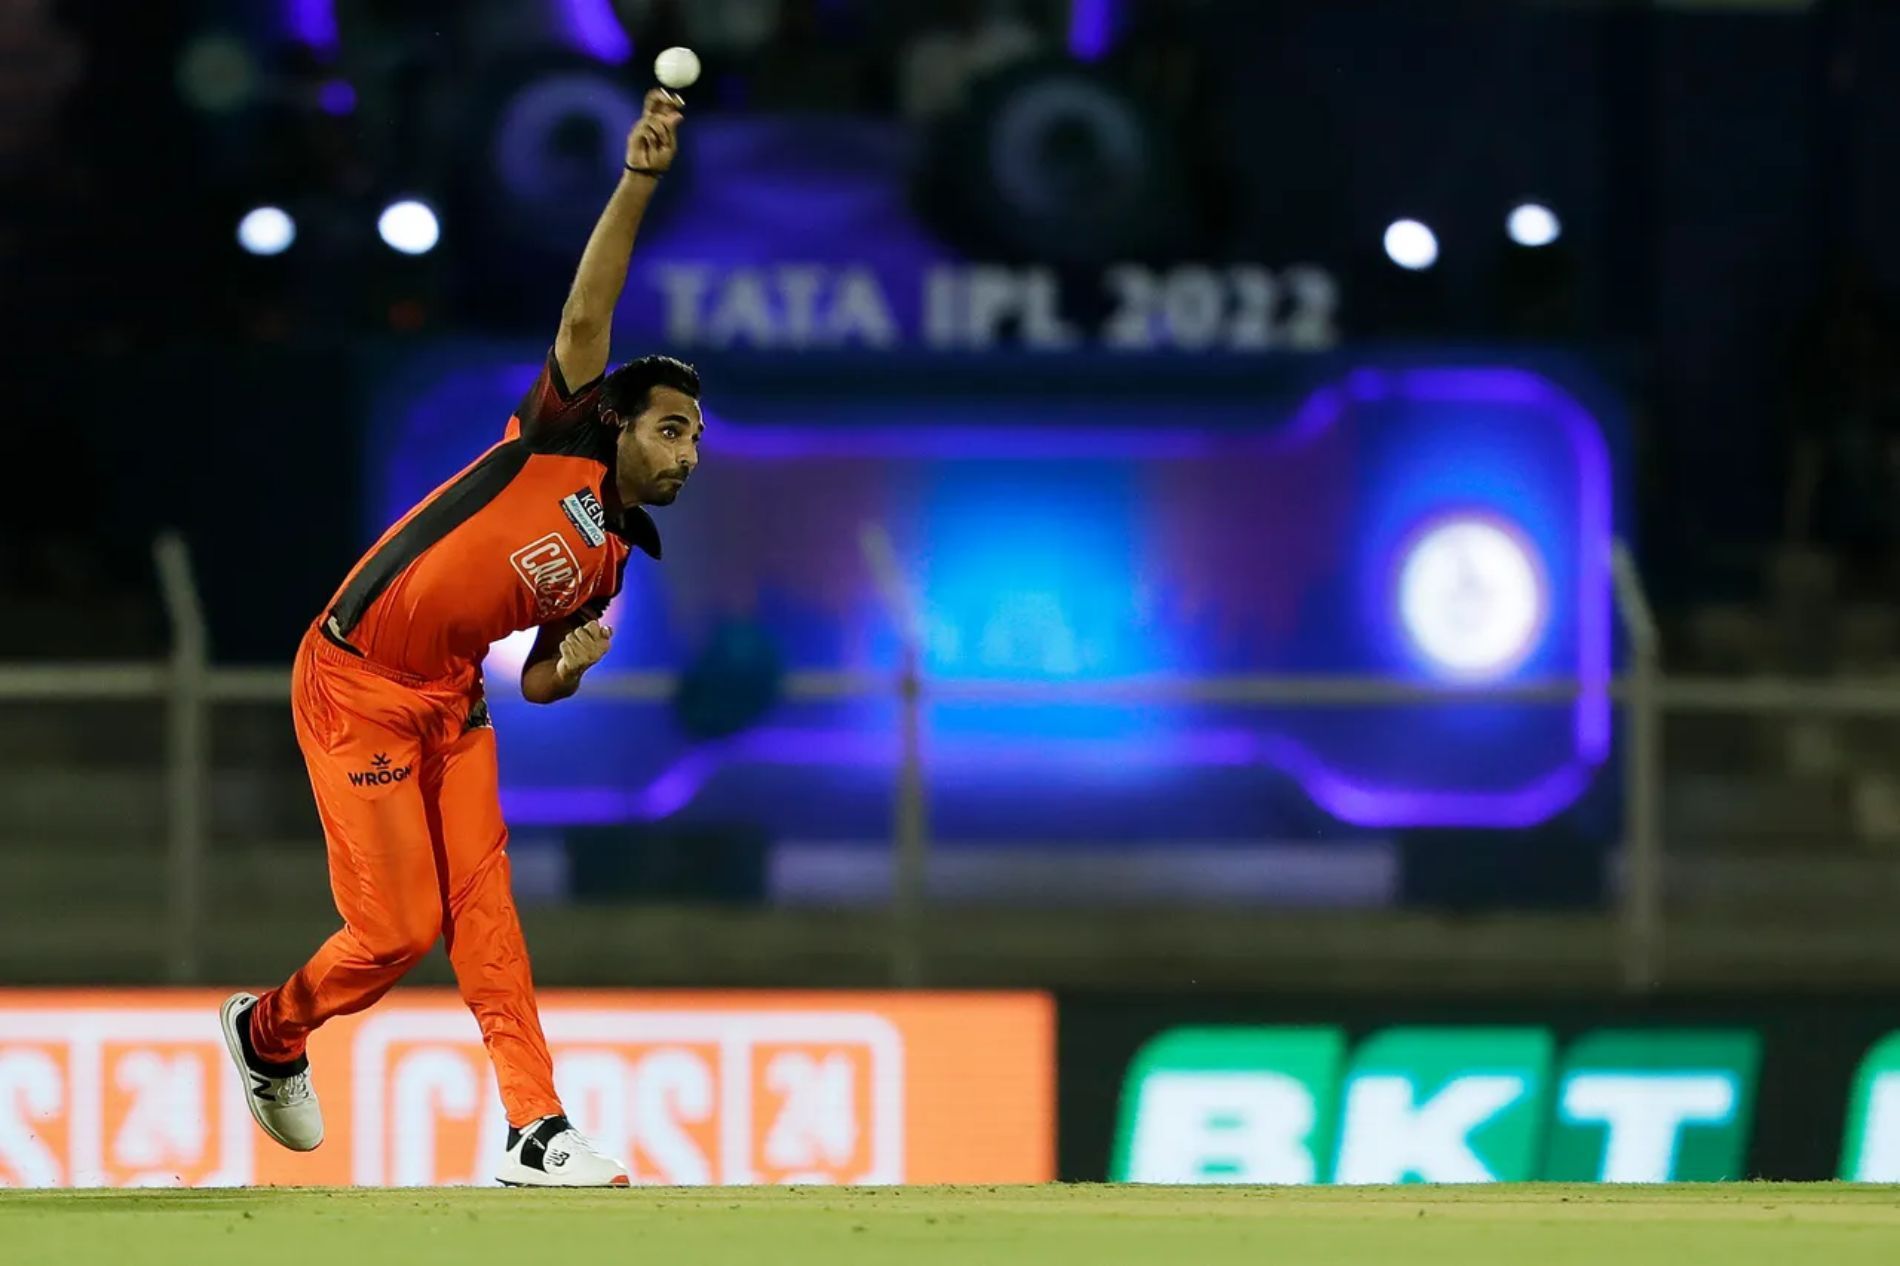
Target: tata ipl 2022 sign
x=134 y=1088
x=1454 y=1105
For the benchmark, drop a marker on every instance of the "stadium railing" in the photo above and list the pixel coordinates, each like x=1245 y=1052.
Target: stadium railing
x=188 y=686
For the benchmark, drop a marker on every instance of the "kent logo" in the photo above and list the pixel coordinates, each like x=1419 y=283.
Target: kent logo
x=380 y=773
x=1442 y=1105
x=584 y=511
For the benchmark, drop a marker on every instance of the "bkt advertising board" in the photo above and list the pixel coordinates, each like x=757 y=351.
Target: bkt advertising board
x=135 y=1089
x=1471 y=1104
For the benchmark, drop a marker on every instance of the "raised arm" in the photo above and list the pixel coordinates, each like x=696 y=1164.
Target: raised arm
x=581 y=346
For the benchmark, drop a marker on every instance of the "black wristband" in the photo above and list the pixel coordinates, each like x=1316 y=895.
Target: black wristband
x=643 y=171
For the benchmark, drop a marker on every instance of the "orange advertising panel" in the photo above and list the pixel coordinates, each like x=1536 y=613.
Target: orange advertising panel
x=123 y=1088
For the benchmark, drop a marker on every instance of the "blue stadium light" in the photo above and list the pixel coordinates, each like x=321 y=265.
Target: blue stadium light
x=266 y=231
x=1532 y=224
x=1471 y=596
x=409 y=226
x=1411 y=245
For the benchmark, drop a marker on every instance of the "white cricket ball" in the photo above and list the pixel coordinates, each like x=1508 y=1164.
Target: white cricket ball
x=677 y=67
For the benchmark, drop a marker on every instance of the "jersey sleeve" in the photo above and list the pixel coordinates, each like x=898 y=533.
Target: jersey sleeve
x=552 y=411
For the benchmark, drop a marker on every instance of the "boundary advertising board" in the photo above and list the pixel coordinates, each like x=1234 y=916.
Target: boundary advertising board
x=128 y=1088
x=1204 y=1088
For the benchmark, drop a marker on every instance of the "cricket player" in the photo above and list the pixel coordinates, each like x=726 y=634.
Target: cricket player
x=389 y=711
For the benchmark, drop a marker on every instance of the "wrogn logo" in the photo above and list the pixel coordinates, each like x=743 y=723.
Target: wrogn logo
x=380 y=773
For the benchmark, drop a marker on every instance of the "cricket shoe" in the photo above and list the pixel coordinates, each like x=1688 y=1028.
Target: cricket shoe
x=280 y=1098
x=552 y=1153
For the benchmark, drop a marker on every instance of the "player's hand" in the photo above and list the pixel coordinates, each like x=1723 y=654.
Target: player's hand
x=582 y=649
x=655 y=138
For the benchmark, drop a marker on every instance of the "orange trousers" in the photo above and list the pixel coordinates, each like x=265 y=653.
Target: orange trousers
x=406 y=787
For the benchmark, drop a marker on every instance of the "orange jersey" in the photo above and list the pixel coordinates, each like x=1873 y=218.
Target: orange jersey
x=519 y=538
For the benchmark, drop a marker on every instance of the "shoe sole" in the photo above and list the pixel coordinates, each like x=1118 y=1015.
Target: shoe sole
x=621 y=1181
x=232 y=1045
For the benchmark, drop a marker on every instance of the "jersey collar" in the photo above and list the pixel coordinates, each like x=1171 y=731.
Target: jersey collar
x=636 y=527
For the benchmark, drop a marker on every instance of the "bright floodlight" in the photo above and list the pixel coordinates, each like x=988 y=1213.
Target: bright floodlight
x=1533 y=224
x=409 y=226
x=1410 y=244
x=266 y=231
x=1471 y=597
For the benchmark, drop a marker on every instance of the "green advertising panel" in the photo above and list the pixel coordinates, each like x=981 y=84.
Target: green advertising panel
x=1230 y=1105
x=1445 y=1105
x=1659 y=1105
x=1870 y=1151
x=1506 y=1103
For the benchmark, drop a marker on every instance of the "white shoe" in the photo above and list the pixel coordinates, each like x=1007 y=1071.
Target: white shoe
x=552 y=1153
x=281 y=1100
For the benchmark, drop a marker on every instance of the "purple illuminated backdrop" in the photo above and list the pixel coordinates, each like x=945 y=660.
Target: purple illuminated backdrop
x=1207 y=544
x=1092 y=26
x=591 y=26
x=313 y=22
x=594 y=29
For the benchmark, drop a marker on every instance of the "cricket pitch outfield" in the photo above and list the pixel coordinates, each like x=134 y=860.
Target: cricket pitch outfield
x=1533 y=1225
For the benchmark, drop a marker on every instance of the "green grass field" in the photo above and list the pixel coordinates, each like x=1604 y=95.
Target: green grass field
x=1740 y=1225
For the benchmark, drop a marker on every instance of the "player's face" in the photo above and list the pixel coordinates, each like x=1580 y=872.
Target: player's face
x=659 y=449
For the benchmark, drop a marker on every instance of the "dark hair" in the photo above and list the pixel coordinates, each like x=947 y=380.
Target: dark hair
x=627 y=389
